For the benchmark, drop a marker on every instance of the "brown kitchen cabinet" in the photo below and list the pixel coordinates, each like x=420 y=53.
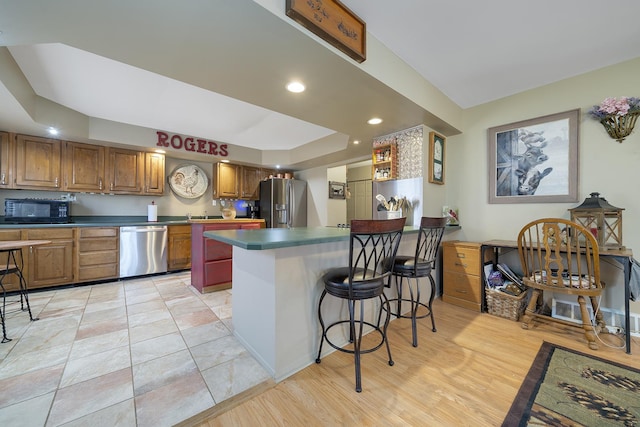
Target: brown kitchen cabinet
x=97 y=254
x=10 y=282
x=84 y=167
x=211 y=263
x=179 y=257
x=6 y=160
x=90 y=167
x=251 y=177
x=124 y=171
x=154 y=173
x=226 y=180
x=51 y=264
x=38 y=163
x=462 y=273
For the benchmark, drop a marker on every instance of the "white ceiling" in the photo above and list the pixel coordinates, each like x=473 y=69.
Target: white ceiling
x=217 y=69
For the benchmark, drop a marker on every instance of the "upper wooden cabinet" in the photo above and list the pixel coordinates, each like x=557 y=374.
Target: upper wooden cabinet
x=38 y=163
x=237 y=181
x=124 y=171
x=84 y=167
x=251 y=177
x=226 y=180
x=154 y=173
x=6 y=161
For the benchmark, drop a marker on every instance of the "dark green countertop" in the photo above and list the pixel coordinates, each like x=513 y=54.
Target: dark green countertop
x=275 y=238
x=121 y=221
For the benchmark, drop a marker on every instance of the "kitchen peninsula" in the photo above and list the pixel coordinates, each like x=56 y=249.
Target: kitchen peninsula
x=276 y=287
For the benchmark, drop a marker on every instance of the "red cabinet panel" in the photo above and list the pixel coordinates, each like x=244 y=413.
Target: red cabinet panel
x=215 y=250
x=211 y=261
x=218 y=272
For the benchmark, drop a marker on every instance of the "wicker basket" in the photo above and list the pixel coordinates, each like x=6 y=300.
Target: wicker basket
x=504 y=305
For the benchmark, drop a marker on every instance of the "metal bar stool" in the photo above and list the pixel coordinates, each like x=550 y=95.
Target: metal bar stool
x=415 y=267
x=372 y=248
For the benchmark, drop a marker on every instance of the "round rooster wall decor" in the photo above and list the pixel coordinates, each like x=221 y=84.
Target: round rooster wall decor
x=188 y=181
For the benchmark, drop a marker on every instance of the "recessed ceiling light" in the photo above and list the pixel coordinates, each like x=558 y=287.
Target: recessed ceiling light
x=160 y=151
x=374 y=121
x=295 y=87
x=53 y=131
x=224 y=161
x=356 y=142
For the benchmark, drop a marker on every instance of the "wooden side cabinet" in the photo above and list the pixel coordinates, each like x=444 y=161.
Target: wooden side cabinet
x=462 y=273
x=97 y=254
x=179 y=247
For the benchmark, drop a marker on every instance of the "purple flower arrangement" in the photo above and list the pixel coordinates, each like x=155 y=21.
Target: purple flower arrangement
x=616 y=107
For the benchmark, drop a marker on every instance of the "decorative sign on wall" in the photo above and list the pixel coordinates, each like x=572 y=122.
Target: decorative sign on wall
x=188 y=181
x=194 y=145
x=334 y=23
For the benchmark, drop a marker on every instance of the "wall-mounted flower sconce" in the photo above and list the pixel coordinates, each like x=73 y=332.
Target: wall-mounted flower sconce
x=617 y=115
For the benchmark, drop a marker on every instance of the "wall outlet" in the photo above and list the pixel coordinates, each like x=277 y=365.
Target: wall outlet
x=214 y=202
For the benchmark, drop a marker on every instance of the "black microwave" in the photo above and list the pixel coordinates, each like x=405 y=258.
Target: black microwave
x=28 y=211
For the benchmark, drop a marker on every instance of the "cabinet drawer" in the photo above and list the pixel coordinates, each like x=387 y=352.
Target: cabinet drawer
x=96 y=245
x=217 y=272
x=462 y=286
x=180 y=229
x=461 y=260
x=14 y=234
x=98 y=232
x=215 y=250
x=98 y=258
x=49 y=233
x=98 y=272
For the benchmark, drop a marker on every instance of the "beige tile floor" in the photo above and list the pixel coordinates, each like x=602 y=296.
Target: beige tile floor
x=149 y=351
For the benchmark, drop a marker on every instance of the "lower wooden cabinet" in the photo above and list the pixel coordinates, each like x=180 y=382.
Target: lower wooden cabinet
x=462 y=273
x=51 y=264
x=212 y=260
x=10 y=282
x=179 y=247
x=97 y=254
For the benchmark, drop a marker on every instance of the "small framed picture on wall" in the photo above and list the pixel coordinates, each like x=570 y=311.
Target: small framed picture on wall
x=436 y=157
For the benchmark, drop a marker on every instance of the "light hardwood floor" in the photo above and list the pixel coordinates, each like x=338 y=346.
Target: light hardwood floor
x=465 y=374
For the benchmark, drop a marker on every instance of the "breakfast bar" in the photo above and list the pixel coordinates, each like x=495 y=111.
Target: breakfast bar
x=276 y=287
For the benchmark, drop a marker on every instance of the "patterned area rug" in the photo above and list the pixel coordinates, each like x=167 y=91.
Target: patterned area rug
x=568 y=388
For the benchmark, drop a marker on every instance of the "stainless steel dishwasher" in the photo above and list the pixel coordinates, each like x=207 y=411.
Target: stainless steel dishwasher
x=143 y=250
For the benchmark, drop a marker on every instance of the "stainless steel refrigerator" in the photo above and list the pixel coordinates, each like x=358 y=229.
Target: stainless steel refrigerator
x=283 y=203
